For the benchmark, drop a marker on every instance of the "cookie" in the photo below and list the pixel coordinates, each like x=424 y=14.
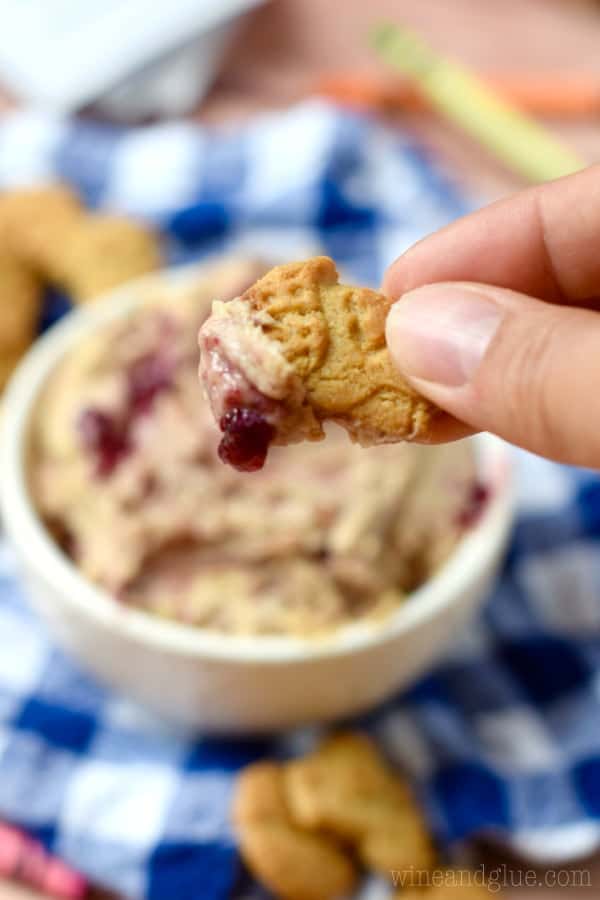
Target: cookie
x=345 y=788
x=298 y=349
x=8 y=363
x=34 y=223
x=334 y=786
x=293 y=863
x=448 y=885
x=102 y=252
x=19 y=303
x=20 y=298
x=399 y=842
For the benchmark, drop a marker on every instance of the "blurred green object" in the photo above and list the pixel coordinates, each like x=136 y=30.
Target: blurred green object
x=519 y=142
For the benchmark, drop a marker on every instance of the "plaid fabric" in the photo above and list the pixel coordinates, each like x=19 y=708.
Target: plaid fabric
x=502 y=738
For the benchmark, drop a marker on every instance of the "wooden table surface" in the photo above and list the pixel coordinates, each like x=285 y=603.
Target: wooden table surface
x=281 y=50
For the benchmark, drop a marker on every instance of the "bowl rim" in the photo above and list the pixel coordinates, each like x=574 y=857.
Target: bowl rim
x=473 y=555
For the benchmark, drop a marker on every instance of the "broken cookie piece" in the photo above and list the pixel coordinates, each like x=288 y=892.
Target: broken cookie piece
x=297 y=349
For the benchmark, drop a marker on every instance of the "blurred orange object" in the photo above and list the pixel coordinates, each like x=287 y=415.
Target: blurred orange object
x=550 y=95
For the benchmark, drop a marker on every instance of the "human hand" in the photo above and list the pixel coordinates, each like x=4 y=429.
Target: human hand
x=499 y=321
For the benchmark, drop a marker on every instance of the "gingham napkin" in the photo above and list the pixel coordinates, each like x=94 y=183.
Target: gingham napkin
x=503 y=738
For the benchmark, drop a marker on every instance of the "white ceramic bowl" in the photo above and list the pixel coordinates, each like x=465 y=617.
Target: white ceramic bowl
x=214 y=682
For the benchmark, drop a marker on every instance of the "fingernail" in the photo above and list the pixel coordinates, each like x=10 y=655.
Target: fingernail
x=441 y=332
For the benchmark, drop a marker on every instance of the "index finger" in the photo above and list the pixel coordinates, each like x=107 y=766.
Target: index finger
x=544 y=241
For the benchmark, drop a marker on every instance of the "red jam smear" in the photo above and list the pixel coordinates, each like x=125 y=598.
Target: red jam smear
x=105 y=437
x=246 y=439
x=477 y=498
x=108 y=437
x=147 y=377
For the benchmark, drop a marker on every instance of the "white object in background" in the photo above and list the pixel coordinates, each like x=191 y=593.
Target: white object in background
x=219 y=682
x=172 y=87
x=138 y=57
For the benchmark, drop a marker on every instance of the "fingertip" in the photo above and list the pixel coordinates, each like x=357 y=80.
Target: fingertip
x=445 y=429
x=409 y=270
x=391 y=284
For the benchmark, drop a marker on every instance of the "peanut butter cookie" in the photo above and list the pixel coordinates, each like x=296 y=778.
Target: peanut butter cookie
x=293 y=863
x=346 y=788
x=448 y=885
x=296 y=349
x=20 y=298
x=34 y=223
x=103 y=251
x=8 y=363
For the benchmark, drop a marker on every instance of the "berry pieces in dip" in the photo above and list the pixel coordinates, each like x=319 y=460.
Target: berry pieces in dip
x=124 y=471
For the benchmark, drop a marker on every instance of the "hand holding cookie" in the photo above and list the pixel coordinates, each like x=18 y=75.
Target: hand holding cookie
x=499 y=320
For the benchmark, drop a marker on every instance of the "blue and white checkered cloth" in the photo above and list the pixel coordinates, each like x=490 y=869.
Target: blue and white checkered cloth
x=503 y=738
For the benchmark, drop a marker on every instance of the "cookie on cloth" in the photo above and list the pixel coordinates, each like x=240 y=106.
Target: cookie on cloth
x=346 y=788
x=34 y=223
x=293 y=863
x=299 y=348
x=102 y=252
x=20 y=298
x=9 y=361
x=448 y=884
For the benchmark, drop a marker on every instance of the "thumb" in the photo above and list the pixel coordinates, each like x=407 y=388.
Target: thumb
x=504 y=362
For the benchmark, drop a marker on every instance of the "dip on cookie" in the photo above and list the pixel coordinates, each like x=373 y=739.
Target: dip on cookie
x=125 y=473
x=298 y=349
